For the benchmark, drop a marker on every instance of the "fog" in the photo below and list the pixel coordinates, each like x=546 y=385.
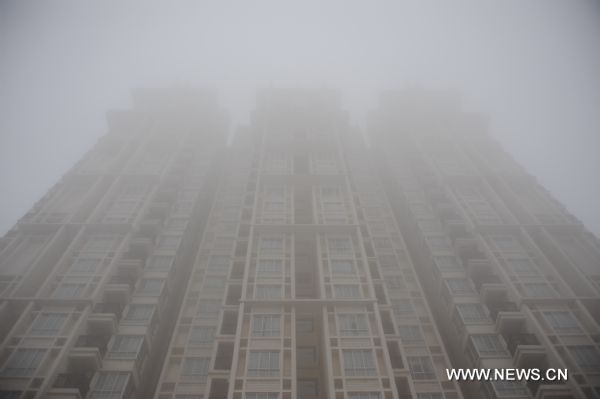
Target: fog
x=532 y=66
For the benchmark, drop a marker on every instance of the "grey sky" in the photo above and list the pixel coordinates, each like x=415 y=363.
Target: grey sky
x=533 y=66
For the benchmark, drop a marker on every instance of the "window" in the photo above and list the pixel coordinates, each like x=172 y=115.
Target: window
x=23 y=363
x=126 y=346
x=340 y=247
x=395 y=283
x=539 y=290
x=522 y=266
x=261 y=395
x=202 y=335
x=304 y=325
x=263 y=364
x=342 y=267
x=219 y=262
x=331 y=192
x=85 y=265
x=459 y=286
x=270 y=268
x=268 y=292
x=139 y=313
x=160 y=263
x=438 y=243
x=273 y=206
x=488 y=345
x=447 y=263
x=430 y=395
x=421 y=211
x=176 y=224
x=506 y=243
x=169 y=242
x=277 y=163
x=110 y=385
x=214 y=284
x=359 y=362
x=411 y=335
x=484 y=212
x=275 y=193
x=48 y=324
x=271 y=244
x=509 y=388
x=274 y=199
x=353 y=324
x=562 y=322
x=308 y=388
x=209 y=308
x=364 y=395
x=99 y=244
x=382 y=243
x=346 y=291
x=403 y=308
x=196 y=367
x=68 y=291
x=266 y=325
x=472 y=313
x=586 y=356
x=120 y=211
x=223 y=244
x=421 y=368
x=430 y=226
x=150 y=286
x=388 y=262
x=325 y=161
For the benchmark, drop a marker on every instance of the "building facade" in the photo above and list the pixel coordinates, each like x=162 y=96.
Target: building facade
x=517 y=277
x=296 y=262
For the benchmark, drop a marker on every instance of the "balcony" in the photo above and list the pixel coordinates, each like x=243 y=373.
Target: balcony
x=501 y=306
x=102 y=323
x=109 y=307
x=529 y=355
x=219 y=389
x=85 y=359
x=486 y=279
x=456 y=228
x=63 y=393
x=150 y=226
x=553 y=391
x=526 y=350
x=478 y=266
x=446 y=211
x=437 y=195
x=510 y=322
x=94 y=341
x=139 y=247
x=73 y=385
x=131 y=268
x=493 y=292
x=468 y=248
x=117 y=293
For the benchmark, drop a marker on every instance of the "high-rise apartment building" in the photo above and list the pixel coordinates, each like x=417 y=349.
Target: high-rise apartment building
x=517 y=278
x=296 y=262
x=91 y=278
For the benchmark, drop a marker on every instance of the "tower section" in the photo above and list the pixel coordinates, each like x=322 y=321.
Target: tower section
x=90 y=277
x=495 y=252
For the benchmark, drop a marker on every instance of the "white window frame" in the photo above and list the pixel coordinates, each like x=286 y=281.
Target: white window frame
x=264 y=363
x=266 y=325
x=359 y=362
x=353 y=324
